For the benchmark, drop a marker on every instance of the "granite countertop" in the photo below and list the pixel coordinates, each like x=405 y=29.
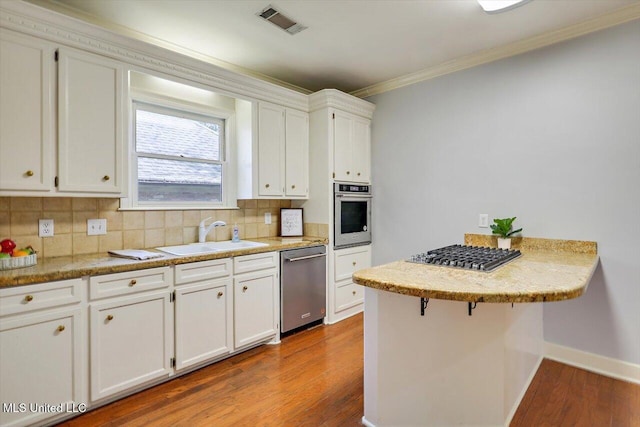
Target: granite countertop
x=547 y=270
x=71 y=267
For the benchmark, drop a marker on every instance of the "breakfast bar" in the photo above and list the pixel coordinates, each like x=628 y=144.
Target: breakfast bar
x=470 y=356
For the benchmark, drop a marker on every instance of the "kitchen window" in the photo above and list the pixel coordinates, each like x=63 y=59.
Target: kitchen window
x=178 y=158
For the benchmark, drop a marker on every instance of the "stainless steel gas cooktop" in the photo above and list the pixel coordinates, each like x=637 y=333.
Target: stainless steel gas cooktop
x=467 y=257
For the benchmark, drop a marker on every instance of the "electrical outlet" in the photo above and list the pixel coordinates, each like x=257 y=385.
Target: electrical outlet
x=96 y=227
x=267 y=217
x=483 y=221
x=45 y=228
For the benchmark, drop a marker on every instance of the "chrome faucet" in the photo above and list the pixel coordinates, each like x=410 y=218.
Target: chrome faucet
x=204 y=230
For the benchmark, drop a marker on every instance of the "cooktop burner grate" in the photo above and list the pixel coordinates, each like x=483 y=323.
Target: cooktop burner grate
x=467 y=257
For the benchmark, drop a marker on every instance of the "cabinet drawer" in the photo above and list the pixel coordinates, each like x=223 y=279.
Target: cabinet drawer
x=130 y=282
x=348 y=296
x=247 y=263
x=347 y=261
x=196 y=271
x=34 y=297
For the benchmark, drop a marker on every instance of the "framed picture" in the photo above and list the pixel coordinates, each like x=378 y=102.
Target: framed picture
x=291 y=222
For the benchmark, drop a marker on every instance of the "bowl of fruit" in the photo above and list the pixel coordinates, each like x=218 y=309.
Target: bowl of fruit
x=12 y=257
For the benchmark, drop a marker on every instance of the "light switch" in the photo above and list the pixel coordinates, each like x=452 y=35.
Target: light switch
x=483 y=221
x=96 y=227
x=267 y=217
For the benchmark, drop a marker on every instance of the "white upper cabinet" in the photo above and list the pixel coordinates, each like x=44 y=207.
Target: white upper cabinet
x=271 y=146
x=275 y=163
x=296 y=153
x=26 y=113
x=89 y=115
x=352 y=147
x=90 y=129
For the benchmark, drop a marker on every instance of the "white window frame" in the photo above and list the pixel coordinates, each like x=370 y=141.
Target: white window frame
x=179 y=108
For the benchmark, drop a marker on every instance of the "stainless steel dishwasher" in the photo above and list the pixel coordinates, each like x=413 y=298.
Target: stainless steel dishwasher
x=303 y=286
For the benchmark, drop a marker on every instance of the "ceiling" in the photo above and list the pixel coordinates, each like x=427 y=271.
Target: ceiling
x=349 y=44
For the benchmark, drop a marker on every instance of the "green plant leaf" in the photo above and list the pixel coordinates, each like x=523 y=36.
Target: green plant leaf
x=503 y=227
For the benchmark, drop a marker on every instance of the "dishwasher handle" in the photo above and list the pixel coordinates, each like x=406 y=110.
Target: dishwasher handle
x=300 y=258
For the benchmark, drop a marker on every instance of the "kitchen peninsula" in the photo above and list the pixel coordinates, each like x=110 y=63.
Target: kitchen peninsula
x=471 y=357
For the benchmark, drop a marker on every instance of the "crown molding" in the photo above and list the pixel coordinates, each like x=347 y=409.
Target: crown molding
x=620 y=16
x=64 y=30
x=342 y=101
x=128 y=32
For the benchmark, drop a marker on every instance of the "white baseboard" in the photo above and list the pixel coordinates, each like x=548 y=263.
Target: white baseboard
x=523 y=392
x=367 y=423
x=606 y=366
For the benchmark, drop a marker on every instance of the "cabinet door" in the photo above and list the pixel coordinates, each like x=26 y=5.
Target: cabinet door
x=131 y=340
x=40 y=362
x=254 y=301
x=342 y=146
x=270 y=150
x=90 y=123
x=26 y=113
x=361 y=150
x=297 y=154
x=203 y=322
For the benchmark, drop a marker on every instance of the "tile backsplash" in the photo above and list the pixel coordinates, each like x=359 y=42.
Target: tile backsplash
x=129 y=229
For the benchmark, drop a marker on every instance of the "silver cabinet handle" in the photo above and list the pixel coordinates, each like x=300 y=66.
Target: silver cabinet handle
x=355 y=196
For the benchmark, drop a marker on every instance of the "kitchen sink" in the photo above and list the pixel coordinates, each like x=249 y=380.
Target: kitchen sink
x=210 y=247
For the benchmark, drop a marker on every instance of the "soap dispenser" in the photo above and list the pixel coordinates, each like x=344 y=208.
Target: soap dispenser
x=235 y=233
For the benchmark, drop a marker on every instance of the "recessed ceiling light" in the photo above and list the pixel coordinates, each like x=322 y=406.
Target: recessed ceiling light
x=497 y=6
x=279 y=20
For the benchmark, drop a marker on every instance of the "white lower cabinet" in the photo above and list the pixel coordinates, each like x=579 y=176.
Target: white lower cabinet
x=347 y=298
x=127 y=331
x=41 y=353
x=131 y=342
x=203 y=312
x=256 y=297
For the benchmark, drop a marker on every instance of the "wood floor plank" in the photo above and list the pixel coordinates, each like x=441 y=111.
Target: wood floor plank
x=589 y=399
x=315 y=378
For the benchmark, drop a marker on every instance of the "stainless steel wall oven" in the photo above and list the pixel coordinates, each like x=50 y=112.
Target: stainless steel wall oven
x=352 y=219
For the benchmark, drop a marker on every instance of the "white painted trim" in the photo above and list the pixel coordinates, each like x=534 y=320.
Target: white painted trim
x=524 y=390
x=366 y=423
x=333 y=98
x=67 y=31
x=607 y=366
x=620 y=16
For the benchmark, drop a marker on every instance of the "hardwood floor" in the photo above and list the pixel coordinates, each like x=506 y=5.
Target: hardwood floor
x=561 y=395
x=315 y=378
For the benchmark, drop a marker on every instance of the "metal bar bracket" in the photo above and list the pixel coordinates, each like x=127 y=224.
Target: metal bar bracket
x=423 y=305
x=472 y=306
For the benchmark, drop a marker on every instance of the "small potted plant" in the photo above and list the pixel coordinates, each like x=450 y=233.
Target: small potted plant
x=504 y=228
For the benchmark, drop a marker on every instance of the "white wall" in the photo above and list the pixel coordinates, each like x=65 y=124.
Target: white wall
x=552 y=137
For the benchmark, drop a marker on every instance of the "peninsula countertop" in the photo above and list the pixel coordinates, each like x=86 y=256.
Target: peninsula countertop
x=547 y=270
x=71 y=267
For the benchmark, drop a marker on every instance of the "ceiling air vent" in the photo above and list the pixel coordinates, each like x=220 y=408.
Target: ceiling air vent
x=281 y=21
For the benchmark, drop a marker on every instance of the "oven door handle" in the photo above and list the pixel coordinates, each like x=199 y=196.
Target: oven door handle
x=300 y=258
x=355 y=196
